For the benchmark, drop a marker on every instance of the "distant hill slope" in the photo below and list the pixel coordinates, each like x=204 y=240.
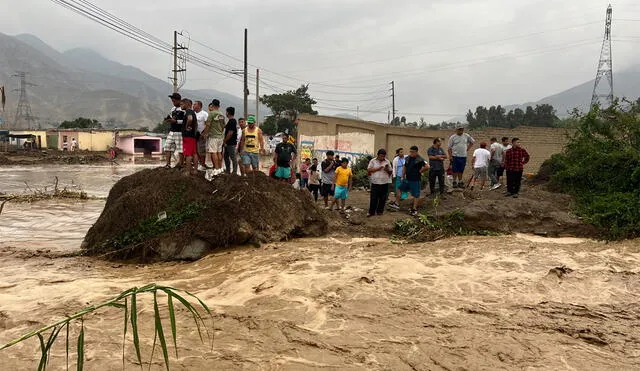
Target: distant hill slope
x=81 y=82
x=626 y=83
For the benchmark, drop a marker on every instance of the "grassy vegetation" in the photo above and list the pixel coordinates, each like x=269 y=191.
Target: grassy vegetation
x=177 y=211
x=600 y=167
x=434 y=227
x=127 y=301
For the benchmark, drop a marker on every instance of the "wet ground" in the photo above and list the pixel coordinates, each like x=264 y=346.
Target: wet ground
x=336 y=303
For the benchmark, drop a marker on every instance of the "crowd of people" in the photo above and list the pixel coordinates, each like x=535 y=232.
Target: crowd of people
x=403 y=175
x=194 y=134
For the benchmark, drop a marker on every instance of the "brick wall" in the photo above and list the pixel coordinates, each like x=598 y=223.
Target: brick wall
x=541 y=143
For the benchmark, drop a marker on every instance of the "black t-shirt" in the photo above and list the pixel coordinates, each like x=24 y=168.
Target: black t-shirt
x=231 y=127
x=413 y=166
x=177 y=114
x=190 y=130
x=284 y=151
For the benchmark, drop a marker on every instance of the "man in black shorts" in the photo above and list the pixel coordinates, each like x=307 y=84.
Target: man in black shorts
x=327 y=177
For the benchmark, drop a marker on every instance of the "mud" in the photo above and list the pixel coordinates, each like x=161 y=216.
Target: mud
x=343 y=302
x=333 y=303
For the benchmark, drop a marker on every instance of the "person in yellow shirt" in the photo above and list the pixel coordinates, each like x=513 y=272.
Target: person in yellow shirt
x=251 y=146
x=342 y=183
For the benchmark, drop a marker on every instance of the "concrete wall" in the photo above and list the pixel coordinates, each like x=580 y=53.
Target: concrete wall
x=354 y=138
x=41 y=136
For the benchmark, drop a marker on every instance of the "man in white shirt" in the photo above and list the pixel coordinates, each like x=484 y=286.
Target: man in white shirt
x=202 y=117
x=459 y=144
x=495 y=163
x=380 y=172
x=481 y=158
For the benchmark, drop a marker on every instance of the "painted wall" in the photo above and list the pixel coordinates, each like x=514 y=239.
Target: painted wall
x=357 y=137
x=137 y=144
x=42 y=134
x=96 y=141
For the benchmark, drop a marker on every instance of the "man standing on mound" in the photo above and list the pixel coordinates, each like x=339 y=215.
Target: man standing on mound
x=459 y=144
x=174 y=138
x=214 y=133
x=251 y=146
x=231 y=142
x=285 y=153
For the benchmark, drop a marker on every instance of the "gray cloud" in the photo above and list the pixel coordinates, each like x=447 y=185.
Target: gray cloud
x=363 y=44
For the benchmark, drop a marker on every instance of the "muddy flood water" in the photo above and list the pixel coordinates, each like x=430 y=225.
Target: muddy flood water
x=332 y=303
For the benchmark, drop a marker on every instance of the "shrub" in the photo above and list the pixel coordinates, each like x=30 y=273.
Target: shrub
x=600 y=167
x=359 y=169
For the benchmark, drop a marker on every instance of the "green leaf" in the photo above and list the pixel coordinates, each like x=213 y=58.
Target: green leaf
x=43 y=356
x=160 y=331
x=126 y=323
x=134 y=327
x=67 y=345
x=81 y=347
x=172 y=318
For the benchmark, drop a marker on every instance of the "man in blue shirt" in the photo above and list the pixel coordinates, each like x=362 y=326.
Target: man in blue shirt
x=436 y=163
x=412 y=172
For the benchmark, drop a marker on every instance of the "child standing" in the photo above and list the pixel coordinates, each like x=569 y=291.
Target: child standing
x=304 y=175
x=314 y=181
x=343 y=182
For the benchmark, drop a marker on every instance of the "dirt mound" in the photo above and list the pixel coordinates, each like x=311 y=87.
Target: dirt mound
x=163 y=214
x=537 y=211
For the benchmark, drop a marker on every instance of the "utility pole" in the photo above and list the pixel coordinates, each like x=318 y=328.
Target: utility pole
x=176 y=68
x=257 y=96
x=393 y=100
x=605 y=68
x=246 y=78
x=24 y=116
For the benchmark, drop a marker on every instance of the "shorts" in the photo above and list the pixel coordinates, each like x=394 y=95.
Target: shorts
x=481 y=173
x=214 y=144
x=252 y=159
x=414 y=188
x=283 y=172
x=173 y=142
x=202 y=146
x=500 y=171
x=403 y=195
x=458 y=165
x=189 y=146
x=326 y=190
x=341 y=193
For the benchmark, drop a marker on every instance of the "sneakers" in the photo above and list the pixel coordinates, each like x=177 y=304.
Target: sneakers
x=495 y=186
x=413 y=212
x=201 y=167
x=515 y=196
x=394 y=205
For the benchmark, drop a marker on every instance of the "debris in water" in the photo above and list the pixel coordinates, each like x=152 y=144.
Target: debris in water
x=560 y=271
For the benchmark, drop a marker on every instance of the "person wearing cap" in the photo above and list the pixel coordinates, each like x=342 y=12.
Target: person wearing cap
x=214 y=134
x=459 y=145
x=251 y=145
x=284 y=154
x=379 y=171
x=174 y=137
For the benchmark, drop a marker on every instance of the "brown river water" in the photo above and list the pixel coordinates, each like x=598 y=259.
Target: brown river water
x=466 y=303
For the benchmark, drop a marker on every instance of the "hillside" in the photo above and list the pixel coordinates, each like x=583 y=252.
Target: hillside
x=81 y=82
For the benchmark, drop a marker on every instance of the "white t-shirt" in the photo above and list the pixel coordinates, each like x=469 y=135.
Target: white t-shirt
x=482 y=156
x=498 y=151
x=202 y=117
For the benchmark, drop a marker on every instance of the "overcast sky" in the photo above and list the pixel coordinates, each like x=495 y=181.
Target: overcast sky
x=444 y=56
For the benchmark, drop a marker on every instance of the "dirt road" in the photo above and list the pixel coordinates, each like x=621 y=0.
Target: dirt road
x=336 y=304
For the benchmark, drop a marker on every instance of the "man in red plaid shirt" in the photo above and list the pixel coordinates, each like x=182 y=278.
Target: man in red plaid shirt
x=514 y=161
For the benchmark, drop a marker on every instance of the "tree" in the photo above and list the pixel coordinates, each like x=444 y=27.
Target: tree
x=286 y=107
x=162 y=127
x=80 y=123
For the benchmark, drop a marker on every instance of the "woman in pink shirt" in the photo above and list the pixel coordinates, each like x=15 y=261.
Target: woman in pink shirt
x=304 y=174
